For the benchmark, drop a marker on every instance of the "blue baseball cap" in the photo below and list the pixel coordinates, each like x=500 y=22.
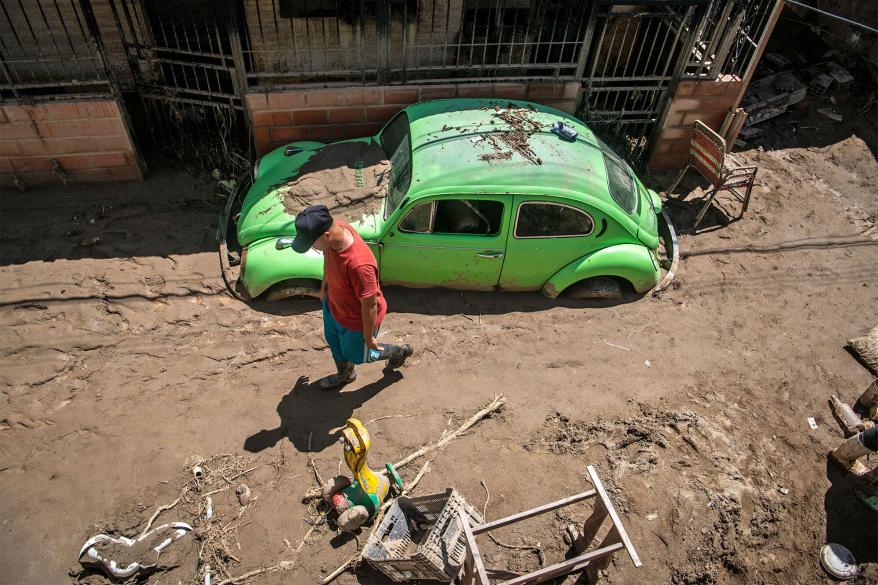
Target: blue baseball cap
x=311 y=223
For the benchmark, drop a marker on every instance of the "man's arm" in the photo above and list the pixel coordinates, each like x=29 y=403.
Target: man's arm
x=369 y=306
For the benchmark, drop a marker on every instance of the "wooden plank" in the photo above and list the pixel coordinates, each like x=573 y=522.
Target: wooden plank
x=563 y=567
x=473 y=549
x=593 y=474
x=487 y=526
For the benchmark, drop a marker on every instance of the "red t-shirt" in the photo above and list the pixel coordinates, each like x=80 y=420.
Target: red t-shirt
x=352 y=275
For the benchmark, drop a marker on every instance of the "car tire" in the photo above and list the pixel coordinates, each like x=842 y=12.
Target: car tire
x=598 y=287
x=293 y=287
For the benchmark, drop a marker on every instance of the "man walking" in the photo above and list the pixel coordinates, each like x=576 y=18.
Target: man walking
x=353 y=306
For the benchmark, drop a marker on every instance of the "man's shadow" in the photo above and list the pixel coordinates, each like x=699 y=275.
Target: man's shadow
x=849 y=522
x=308 y=413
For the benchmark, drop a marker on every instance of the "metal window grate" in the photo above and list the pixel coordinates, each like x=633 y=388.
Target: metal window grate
x=48 y=49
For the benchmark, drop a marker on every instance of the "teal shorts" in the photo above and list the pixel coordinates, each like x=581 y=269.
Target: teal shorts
x=346 y=344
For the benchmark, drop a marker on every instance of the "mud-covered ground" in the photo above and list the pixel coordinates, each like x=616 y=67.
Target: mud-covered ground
x=122 y=359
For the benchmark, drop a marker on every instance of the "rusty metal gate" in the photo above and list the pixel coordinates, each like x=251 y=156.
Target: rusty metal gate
x=634 y=55
x=51 y=49
x=187 y=70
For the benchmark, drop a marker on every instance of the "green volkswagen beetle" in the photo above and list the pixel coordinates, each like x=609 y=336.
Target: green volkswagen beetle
x=461 y=193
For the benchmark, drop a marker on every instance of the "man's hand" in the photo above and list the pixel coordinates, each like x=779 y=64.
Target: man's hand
x=372 y=343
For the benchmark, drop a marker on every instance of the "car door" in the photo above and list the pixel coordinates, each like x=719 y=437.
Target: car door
x=453 y=242
x=546 y=235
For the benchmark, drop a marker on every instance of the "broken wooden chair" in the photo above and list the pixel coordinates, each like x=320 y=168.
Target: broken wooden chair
x=616 y=539
x=707 y=155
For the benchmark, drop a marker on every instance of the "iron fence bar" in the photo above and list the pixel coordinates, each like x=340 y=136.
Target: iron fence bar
x=176 y=97
x=628 y=50
x=168 y=61
x=564 y=65
x=722 y=50
x=11 y=27
x=405 y=29
x=45 y=85
x=584 y=49
x=39 y=45
x=178 y=91
x=721 y=26
x=682 y=59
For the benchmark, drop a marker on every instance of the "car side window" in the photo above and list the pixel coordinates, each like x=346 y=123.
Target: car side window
x=455 y=216
x=419 y=220
x=460 y=216
x=551 y=220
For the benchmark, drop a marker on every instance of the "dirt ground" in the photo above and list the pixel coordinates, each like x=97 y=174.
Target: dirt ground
x=123 y=359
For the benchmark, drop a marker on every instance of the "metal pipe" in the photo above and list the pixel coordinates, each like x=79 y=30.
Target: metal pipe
x=835 y=16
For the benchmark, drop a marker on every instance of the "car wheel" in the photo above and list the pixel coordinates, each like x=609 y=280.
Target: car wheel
x=293 y=287
x=598 y=287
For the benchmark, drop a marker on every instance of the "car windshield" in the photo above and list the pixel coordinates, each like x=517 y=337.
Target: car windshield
x=395 y=141
x=620 y=180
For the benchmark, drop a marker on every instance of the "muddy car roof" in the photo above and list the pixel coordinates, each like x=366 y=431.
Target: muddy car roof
x=496 y=146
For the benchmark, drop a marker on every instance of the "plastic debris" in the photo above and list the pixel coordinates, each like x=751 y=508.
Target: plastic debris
x=838 y=561
x=564 y=131
x=90 y=556
x=812 y=423
x=834 y=116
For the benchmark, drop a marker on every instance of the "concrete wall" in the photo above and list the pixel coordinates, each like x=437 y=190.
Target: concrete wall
x=708 y=101
x=88 y=139
x=280 y=117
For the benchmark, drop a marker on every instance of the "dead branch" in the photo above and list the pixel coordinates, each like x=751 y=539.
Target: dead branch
x=536 y=548
x=341 y=569
x=281 y=566
x=411 y=486
x=230 y=484
x=494 y=406
x=304 y=540
x=390 y=416
x=311 y=462
x=158 y=511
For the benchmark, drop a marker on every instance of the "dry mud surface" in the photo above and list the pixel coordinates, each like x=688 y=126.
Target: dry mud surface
x=122 y=359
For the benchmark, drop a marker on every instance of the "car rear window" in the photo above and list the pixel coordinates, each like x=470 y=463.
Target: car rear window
x=620 y=180
x=551 y=220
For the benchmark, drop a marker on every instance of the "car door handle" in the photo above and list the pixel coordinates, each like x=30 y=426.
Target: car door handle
x=490 y=254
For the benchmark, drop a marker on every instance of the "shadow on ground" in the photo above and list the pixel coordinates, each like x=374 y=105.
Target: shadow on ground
x=311 y=417
x=849 y=522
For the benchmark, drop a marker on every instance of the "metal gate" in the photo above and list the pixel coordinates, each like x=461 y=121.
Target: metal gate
x=634 y=54
x=187 y=70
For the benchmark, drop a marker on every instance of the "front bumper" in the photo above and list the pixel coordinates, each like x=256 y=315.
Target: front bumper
x=668 y=238
x=231 y=273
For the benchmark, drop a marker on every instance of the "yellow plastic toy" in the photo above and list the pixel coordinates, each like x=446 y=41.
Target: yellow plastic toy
x=357 y=501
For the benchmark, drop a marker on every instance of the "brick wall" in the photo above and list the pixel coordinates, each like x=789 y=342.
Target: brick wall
x=87 y=138
x=280 y=117
x=708 y=101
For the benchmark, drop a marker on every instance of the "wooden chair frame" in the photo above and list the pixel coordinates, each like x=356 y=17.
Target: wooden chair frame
x=475 y=573
x=707 y=154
